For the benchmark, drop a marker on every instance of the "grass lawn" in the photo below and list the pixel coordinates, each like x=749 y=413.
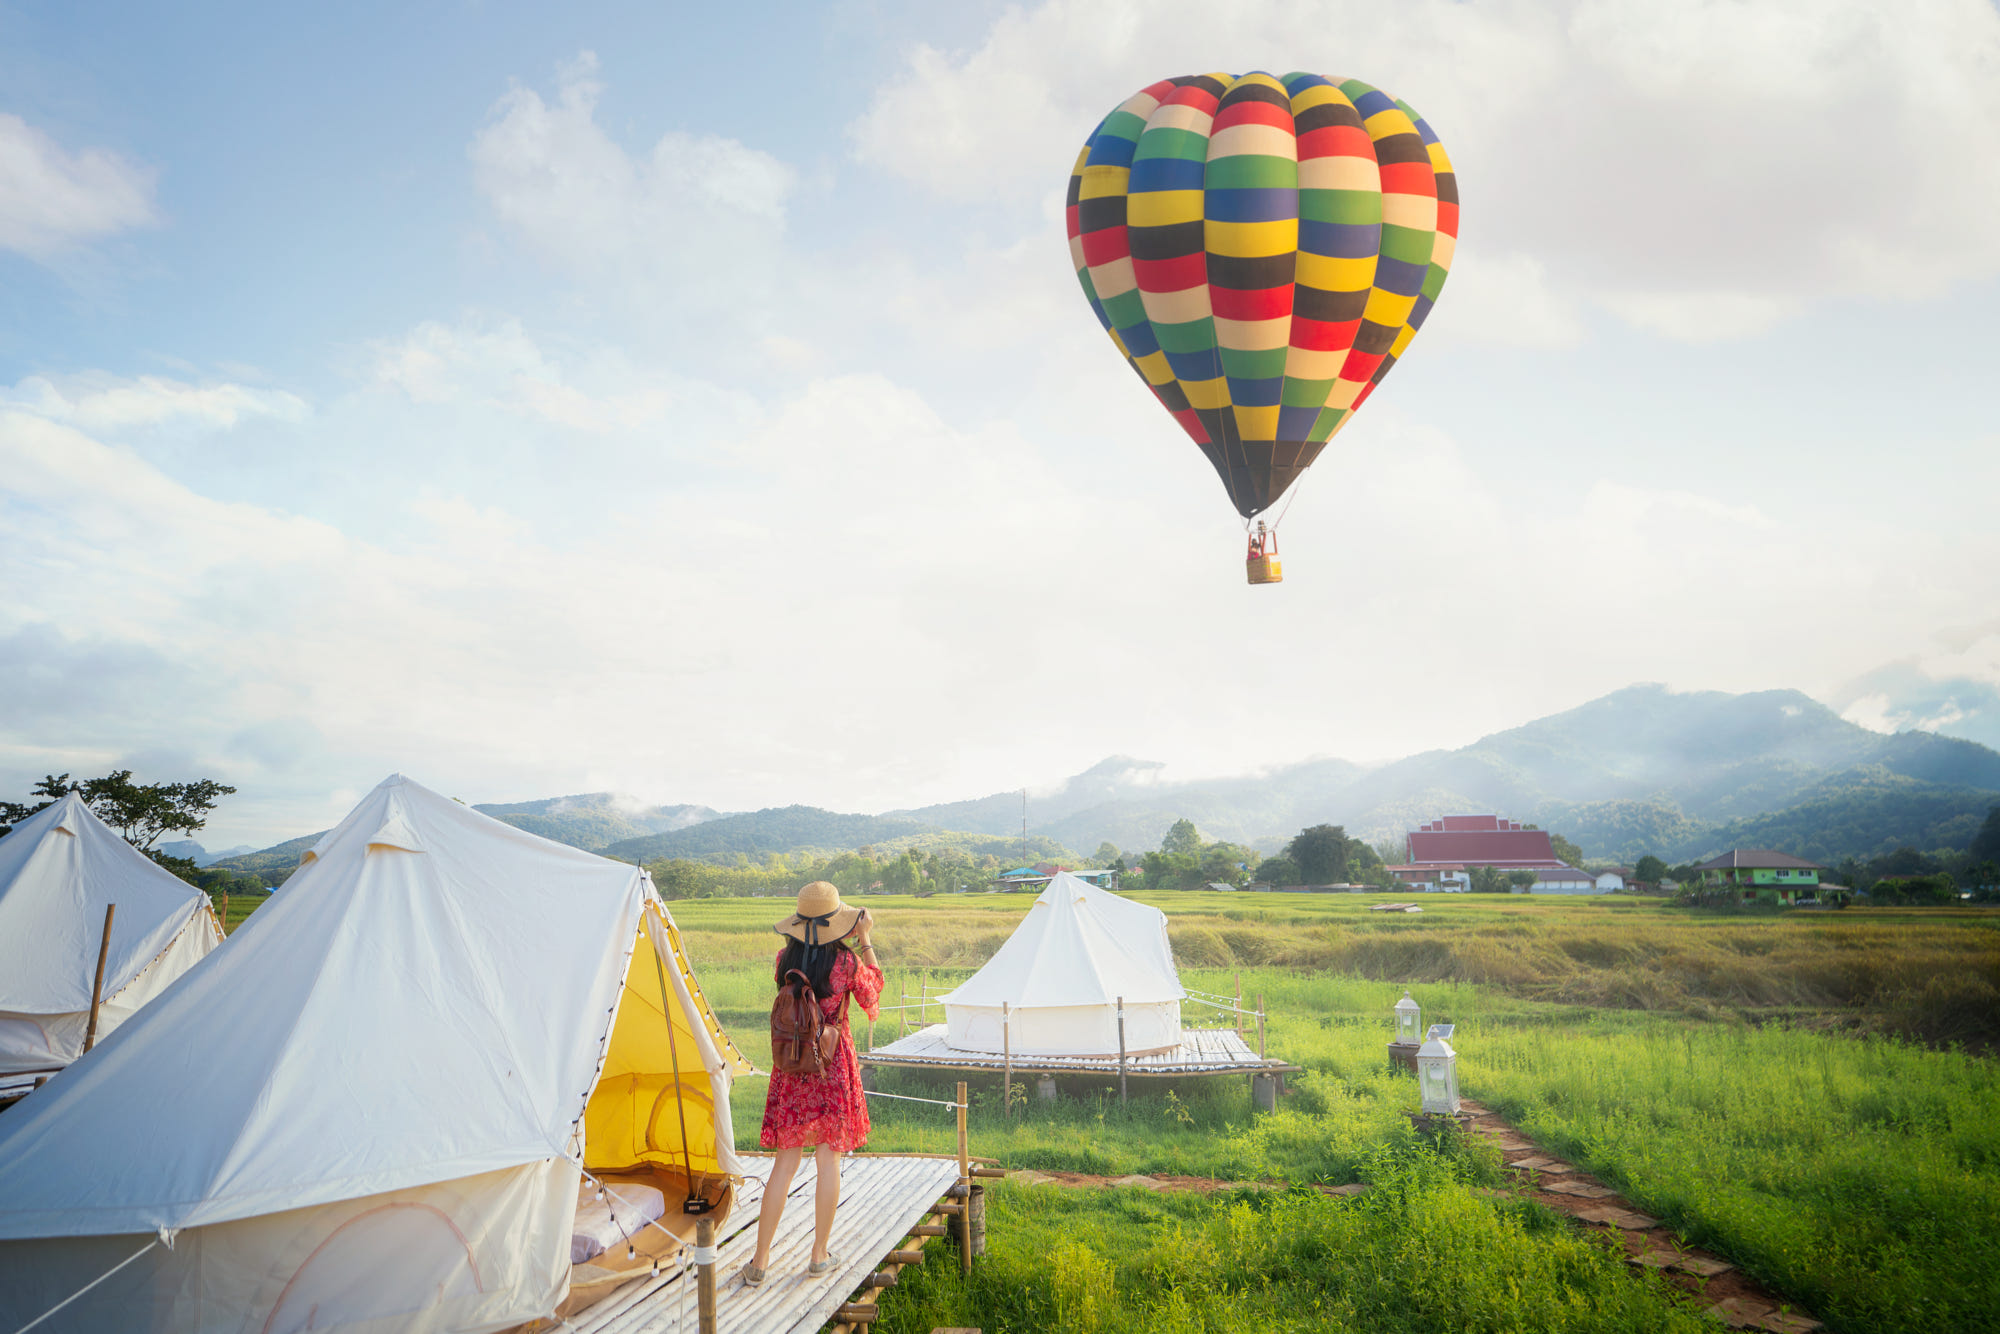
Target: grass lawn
x=1737 y=1075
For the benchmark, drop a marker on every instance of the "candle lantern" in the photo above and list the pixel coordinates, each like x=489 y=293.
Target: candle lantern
x=1437 y=1072
x=1409 y=1019
x=1409 y=1033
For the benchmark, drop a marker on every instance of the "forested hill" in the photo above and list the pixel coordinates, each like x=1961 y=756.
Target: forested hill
x=595 y=820
x=1642 y=769
x=778 y=829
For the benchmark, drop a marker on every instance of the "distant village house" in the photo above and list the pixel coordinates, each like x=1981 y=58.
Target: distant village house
x=1774 y=877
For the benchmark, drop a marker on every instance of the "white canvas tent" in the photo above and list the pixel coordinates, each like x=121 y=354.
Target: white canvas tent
x=1060 y=975
x=367 y=1114
x=59 y=868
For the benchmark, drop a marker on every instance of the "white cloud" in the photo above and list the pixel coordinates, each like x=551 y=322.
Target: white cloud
x=52 y=199
x=698 y=214
x=111 y=403
x=1702 y=170
x=1506 y=300
x=498 y=364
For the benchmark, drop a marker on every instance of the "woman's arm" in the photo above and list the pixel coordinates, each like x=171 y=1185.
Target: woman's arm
x=867 y=983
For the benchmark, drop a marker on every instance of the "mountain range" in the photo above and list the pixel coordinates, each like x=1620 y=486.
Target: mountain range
x=1645 y=769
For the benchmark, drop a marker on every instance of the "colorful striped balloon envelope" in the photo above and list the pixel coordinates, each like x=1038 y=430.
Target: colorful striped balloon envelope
x=1262 y=251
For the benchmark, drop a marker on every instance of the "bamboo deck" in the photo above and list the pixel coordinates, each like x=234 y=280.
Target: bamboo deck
x=1203 y=1051
x=881 y=1199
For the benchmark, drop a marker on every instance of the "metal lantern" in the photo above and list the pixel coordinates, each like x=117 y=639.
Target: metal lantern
x=1409 y=1020
x=1437 y=1073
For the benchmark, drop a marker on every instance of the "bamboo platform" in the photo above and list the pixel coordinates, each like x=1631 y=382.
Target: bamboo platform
x=1203 y=1051
x=881 y=1199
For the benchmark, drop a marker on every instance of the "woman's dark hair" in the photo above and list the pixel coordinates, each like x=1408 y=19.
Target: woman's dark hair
x=816 y=962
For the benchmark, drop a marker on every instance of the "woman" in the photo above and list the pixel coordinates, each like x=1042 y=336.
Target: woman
x=826 y=1110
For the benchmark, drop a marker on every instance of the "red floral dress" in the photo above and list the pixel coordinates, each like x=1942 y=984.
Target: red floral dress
x=826 y=1108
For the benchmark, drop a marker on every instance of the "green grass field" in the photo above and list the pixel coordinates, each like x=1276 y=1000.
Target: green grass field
x=1740 y=1076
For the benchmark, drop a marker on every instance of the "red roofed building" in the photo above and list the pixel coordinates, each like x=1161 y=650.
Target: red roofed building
x=1441 y=854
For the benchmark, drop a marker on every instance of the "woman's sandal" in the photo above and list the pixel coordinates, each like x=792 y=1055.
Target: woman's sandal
x=753 y=1277
x=819 y=1267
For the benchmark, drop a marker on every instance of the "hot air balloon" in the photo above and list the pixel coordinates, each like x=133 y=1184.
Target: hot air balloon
x=1262 y=251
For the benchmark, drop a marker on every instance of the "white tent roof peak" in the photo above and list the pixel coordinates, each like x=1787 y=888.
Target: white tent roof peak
x=396 y=831
x=1078 y=945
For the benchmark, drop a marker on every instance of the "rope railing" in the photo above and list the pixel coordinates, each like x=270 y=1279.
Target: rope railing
x=904 y=1097
x=1235 y=1009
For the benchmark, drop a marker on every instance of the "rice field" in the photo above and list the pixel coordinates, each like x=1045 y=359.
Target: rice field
x=1753 y=1080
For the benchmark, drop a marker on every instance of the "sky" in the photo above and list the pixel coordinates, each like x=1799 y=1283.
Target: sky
x=697 y=402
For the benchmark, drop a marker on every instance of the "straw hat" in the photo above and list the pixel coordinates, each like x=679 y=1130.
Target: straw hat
x=822 y=918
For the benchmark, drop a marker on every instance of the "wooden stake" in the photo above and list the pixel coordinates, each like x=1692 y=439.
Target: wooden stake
x=1260 y=1025
x=1006 y=1061
x=965 y=1180
x=704 y=1240
x=224 y=923
x=97 y=987
x=1121 y=1051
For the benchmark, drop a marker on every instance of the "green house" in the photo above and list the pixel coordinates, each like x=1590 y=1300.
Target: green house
x=1774 y=877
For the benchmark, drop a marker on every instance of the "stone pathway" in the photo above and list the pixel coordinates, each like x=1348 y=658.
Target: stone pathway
x=1736 y=1300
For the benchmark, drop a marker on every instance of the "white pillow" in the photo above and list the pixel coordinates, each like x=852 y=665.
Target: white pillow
x=624 y=1212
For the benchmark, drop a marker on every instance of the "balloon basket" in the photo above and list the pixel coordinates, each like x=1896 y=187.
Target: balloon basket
x=1265 y=570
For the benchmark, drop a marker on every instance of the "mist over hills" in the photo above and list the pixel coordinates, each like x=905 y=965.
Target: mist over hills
x=595 y=820
x=1644 y=769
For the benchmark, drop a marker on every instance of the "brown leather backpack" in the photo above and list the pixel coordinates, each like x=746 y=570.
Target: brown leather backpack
x=802 y=1042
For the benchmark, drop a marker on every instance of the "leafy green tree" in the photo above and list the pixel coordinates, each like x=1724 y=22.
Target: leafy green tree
x=1320 y=852
x=1230 y=863
x=140 y=812
x=1172 y=870
x=1280 y=870
x=1985 y=844
x=1107 y=855
x=1390 y=851
x=1521 y=880
x=1183 y=840
x=1650 y=869
x=1566 y=851
x=1487 y=880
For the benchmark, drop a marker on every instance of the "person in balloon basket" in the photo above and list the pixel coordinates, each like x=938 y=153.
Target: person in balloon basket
x=830 y=944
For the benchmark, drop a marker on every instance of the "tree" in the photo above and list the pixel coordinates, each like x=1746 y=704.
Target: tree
x=1183 y=840
x=1521 y=880
x=1279 y=870
x=140 y=812
x=1320 y=852
x=1107 y=855
x=1566 y=851
x=1650 y=870
x=1985 y=844
x=1390 y=851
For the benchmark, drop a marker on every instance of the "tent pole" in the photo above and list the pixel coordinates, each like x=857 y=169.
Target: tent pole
x=1121 y=1051
x=97 y=987
x=674 y=1055
x=224 y=923
x=1007 y=1061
